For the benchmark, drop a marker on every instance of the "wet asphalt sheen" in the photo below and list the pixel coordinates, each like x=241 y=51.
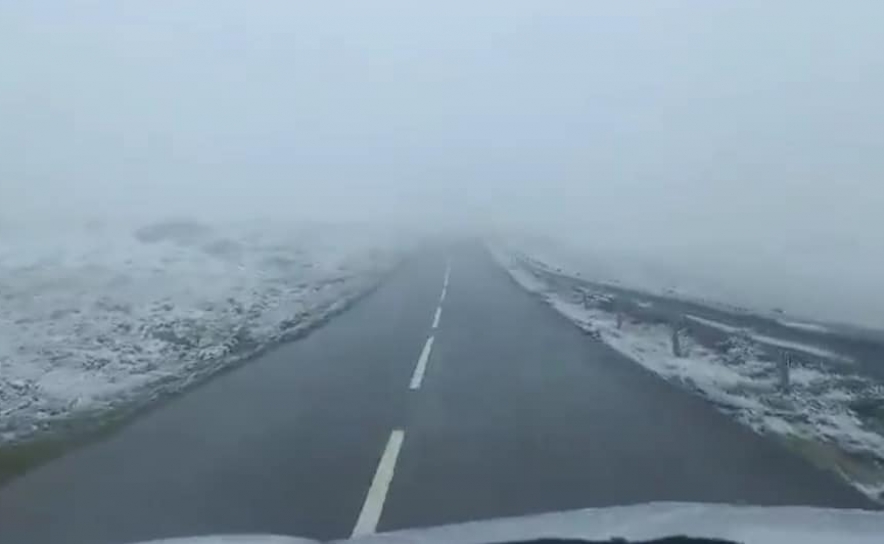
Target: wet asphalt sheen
x=515 y=412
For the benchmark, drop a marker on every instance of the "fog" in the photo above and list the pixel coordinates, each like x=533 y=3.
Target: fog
x=743 y=138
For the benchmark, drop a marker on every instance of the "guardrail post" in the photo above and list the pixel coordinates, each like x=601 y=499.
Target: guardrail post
x=785 y=363
x=676 y=341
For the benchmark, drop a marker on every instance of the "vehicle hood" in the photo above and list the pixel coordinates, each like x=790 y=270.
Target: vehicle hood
x=746 y=524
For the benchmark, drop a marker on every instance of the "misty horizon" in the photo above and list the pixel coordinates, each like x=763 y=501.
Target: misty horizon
x=737 y=141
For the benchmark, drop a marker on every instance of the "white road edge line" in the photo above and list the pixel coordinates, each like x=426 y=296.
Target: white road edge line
x=444 y=292
x=437 y=317
x=373 y=506
x=447 y=272
x=421 y=367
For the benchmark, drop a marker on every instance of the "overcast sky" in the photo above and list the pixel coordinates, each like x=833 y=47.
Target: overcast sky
x=658 y=123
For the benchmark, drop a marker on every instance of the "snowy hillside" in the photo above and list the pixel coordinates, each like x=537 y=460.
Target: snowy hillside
x=94 y=316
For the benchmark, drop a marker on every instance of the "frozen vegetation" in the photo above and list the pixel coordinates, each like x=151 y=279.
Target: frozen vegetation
x=95 y=317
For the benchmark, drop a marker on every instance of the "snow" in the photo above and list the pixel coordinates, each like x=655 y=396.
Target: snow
x=95 y=317
x=636 y=523
x=650 y=346
x=736 y=379
x=809 y=327
x=653 y=521
x=771 y=341
x=524 y=278
x=806 y=376
x=714 y=324
x=793 y=284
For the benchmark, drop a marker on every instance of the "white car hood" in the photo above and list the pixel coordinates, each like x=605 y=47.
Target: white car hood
x=745 y=524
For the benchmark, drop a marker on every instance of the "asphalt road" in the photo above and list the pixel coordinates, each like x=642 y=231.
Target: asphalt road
x=368 y=425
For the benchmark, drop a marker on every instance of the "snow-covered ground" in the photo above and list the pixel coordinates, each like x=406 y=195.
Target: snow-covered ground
x=818 y=414
x=94 y=317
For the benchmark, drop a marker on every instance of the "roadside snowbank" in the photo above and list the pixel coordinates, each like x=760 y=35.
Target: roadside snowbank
x=822 y=408
x=92 y=317
x=797 y=284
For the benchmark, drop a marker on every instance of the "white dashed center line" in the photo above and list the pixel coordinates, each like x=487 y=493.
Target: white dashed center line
x=421 y=367
x=373 y=506
x=424 y=358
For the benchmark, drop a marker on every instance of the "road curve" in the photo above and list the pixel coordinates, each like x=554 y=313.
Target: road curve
x=447 y=395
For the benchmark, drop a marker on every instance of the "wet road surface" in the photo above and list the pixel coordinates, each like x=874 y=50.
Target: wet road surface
x=447 y=395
